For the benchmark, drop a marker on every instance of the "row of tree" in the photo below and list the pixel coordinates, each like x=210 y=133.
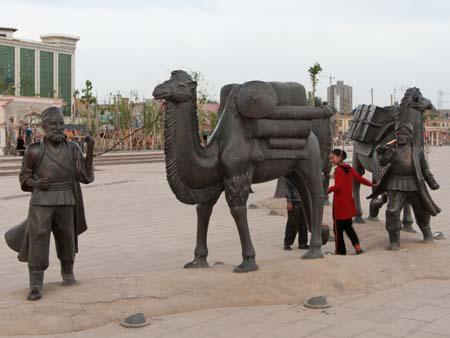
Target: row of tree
x=137 y=124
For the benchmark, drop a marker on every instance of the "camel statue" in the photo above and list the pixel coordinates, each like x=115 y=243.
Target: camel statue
x=373 y=126
x=255 y=141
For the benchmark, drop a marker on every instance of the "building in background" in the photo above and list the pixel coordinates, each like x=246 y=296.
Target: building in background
x=340 y=97
x=437 y=127
x=341 y=127
x=43 y=68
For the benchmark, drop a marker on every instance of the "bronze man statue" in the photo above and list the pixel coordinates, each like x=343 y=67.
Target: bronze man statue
x=405 y=173
x=52 y=170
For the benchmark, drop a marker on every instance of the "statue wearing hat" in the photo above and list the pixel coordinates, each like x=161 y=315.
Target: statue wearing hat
x=405 y=171
x=52 y=170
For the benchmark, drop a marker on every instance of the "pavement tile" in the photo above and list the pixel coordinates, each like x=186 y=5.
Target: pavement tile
x=371 y=334
x=423 y=334
x=399 y=327
x=410 y=302
x=381 y=314
x=333 y=315
x=349 y=328
x=368 y=302
x=301 y=328
x=439 y=327
x=442 y=302
x=427 y=313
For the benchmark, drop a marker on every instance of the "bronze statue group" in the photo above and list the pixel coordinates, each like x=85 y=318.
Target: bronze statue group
x=283 y=144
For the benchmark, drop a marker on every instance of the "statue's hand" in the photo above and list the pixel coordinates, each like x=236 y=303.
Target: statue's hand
x=90 y=141
x=43 y=183
x=433 y=185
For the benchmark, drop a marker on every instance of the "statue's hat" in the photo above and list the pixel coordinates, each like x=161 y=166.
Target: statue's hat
x=51 y=112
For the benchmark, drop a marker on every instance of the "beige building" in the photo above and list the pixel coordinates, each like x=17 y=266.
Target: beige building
x=341 y=126
x=437 y=132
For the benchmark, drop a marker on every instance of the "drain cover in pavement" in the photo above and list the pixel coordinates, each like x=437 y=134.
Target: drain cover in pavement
x=319 y=302
x=135 y=321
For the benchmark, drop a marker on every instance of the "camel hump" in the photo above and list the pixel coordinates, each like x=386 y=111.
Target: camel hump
x=290 y=93
x=256 y=99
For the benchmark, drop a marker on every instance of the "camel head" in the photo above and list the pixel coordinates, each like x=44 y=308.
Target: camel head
x=414 y=99
x=179 y=88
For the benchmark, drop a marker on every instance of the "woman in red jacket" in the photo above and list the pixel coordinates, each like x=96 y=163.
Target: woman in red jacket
x=343 y=203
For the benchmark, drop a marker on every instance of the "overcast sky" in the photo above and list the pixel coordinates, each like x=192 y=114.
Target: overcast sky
x=134 y=44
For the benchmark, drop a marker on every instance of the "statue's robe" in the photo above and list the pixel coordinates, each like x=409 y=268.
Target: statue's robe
x=71 y=161
x=422 y=174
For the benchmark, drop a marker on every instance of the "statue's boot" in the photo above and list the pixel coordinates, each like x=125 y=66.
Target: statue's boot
x=36 y=284
x=67 y=273
x=427 y=234
x=394 y=240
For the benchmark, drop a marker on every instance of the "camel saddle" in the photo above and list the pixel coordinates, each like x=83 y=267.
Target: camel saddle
x=278 y=117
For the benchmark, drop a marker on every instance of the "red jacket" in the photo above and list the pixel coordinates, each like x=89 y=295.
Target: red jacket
x=343 y=203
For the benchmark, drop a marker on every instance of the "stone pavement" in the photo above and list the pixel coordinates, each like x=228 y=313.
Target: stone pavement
x=138 y=228
x=418 y=309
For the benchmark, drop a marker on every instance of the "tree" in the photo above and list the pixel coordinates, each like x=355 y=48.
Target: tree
x=89 y=99
x=204 y=117
x=314 y=71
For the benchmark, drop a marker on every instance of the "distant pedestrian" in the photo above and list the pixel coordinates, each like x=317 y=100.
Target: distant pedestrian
x=28 y=134
x=20 y=145
x=296 y=222
x=343 y=204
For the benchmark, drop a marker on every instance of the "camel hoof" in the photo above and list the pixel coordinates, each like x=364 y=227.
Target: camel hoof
x=197 y=263
x=359 y=220
x=393 y=246
x=373 y=219
x=313 y=253
x=246 y=266
x=428 y=240
x=408 y=228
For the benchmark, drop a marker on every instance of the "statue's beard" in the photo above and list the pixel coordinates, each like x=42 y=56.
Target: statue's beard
x=55 y=137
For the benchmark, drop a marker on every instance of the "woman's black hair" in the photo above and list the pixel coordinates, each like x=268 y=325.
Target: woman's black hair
x=342 y=154
x=339 y=152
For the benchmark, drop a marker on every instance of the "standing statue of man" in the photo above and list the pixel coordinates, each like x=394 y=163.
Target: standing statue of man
x=52 y=170
x=405 y=173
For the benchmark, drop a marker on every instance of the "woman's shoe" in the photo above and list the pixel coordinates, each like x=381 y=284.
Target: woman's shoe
x=358 y=249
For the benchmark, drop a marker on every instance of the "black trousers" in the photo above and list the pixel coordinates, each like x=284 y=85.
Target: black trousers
x=44 y=221
x=396 y=202
x=296 y=223
x=341 y=226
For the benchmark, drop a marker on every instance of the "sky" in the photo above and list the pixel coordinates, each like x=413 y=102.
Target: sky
x=133 y=45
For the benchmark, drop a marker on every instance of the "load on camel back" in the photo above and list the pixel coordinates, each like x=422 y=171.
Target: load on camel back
x=264 y=132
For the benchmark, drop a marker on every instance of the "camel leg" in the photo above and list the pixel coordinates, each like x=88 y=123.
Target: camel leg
x=237 y=189
x=308 y=178
x=201 y=250
x=407 y=219
x=356 y=189
x=326 y=182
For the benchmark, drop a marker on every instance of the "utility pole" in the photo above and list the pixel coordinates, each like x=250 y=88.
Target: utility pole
x=331 y=79
x=371 y=96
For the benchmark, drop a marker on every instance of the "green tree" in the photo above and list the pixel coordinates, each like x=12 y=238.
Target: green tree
x=314 y=71
x=89 y=99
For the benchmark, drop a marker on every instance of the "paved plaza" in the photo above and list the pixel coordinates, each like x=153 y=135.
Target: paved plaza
x=140 y=236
